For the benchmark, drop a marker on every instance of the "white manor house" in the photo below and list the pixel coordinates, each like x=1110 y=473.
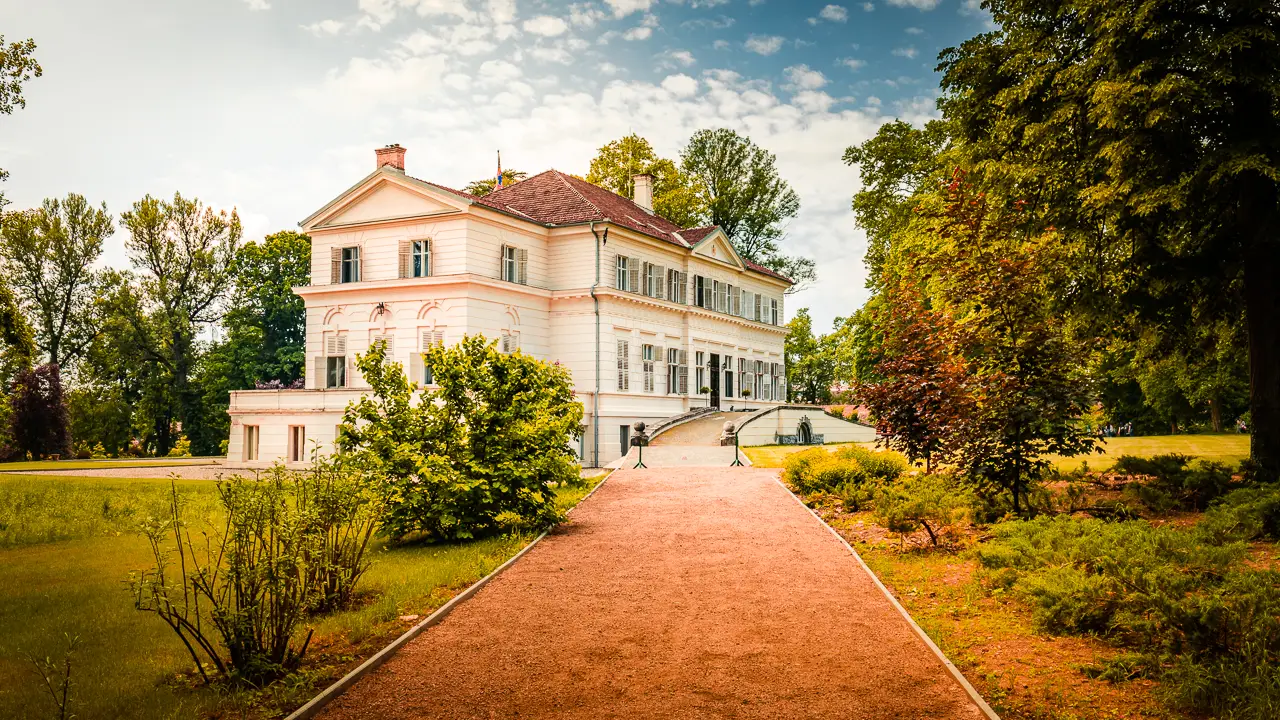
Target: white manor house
x=651 y=319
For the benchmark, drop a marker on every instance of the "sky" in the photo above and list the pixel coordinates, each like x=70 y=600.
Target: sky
x=274 y=107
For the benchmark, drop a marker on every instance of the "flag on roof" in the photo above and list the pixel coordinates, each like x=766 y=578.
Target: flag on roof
x=498 y=186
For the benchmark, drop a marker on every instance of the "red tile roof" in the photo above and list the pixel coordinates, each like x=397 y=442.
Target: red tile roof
x=554 y=198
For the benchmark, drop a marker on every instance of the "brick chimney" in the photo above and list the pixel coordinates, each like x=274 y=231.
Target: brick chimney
x=643 y=194
x=392 y=155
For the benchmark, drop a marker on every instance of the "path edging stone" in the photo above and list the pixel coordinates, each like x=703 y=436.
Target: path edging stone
x=329 y=694
x=955 y=672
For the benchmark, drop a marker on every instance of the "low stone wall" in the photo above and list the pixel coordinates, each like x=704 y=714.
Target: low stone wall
x=782 y=425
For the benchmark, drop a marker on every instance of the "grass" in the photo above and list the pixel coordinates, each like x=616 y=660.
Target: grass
x=129 y=664
x=103 y=463
x=1227 y=448
x=773 y=456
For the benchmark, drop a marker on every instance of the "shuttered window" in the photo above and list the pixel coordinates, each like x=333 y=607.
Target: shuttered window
x=646 y=365
x=344 y=265
x=515 y=264
x=419 y=368
x=620 y=275
x=415 y=258
x=624 y=366
x=331 y=366
x=510 y=342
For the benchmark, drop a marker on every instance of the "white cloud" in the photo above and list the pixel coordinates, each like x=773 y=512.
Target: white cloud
x=834 y=13
x=324 y=28
x=585 y=14
x=853 y=63
x=868 y=7
x=499 y=72
x=873 y=101
x=914 y=31
x=552 y=53
x=463 y=39
x=501 y=12
x=623 y=8
x=367 y=82
x=673 y=58
x=680 y=85
x=256 y=5
x=546 y=26
x=764 y=44
x=638 y=33
x=801 y=77
x=607 y=68
x=906 y=52
x=917 y=4
x=720 y=45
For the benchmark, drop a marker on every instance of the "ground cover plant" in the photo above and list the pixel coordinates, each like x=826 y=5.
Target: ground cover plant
x=1171 y=614
x=128 y=664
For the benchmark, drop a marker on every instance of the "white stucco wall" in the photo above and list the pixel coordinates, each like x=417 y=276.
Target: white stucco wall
x=764 y=430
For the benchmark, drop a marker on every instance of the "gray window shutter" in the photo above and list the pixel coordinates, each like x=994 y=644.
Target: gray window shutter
x=681 y=283
x=431 y=266
x=633 y=275
x=335 y=265
x=502 y=263
x=405 y=248
x=661 y=281
x=522 y=266
x=684 y=379
x=319 y=369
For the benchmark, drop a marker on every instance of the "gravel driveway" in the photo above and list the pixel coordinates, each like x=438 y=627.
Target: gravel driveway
x=671 y=593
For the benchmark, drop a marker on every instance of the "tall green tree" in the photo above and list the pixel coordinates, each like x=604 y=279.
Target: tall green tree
x=183 y=254
x=674 y=197
x=739 y=184
x=1154 y=133
x=17 y=67
x=48 y=255
x=265 y=308
x=487 y=185
x=810 y=370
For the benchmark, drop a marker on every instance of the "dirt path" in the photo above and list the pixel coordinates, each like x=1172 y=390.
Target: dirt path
x=678 y=593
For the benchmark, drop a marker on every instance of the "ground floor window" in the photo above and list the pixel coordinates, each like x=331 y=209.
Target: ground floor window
x=250 y=442
x=624 y=436
x=297 y=443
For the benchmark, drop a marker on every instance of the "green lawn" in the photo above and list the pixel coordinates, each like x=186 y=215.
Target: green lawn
x=1227 y=448
x=105 y=463
x=1230 y=449
x=66 y=548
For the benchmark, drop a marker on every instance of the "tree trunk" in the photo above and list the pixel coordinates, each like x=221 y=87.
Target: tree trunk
x=1262 y=318
x=1215 y=414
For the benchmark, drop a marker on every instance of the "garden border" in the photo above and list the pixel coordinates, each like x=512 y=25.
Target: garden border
x=326 y=696
x=955 y=672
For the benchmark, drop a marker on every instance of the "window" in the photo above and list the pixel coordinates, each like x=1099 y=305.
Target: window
x=719 y=294
x=756 y=298
x=773 y=312
x=700 y=372
x=746 y=381
x=762 y=392
x=297 y=443
x=620 y=273
x=250 y=442
x=510 y=342
x=624 y=366
x=624 y=438
x=677 y=373
x=727 y=389
x=419 y=369
x=387 y=338
x=676 y=282
x=646 y=363
x=350 y=264
x=515 y=265
x=421 y=263
x=331 y=365
x=699 y=291
x=344 y=265
x=653 y=280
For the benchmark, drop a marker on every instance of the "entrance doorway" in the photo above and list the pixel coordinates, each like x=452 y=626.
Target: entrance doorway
x=713 y=370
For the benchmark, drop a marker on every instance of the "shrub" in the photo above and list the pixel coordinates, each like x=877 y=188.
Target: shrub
x=291 y=542
x=851 y=472
x=480 y=453
x=1176 y=481
x=181 y=448
x=1182 y=599
x=931 y=502
x=1244 y=514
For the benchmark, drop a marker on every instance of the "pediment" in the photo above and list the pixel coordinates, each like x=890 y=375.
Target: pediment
x=717 y=247
x=385 y=201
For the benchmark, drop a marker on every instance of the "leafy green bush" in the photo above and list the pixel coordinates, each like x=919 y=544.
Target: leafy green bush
x=851 y=472
x=1183 y=599
x=1176 y=481
x=480 y=453
x=931 y=502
